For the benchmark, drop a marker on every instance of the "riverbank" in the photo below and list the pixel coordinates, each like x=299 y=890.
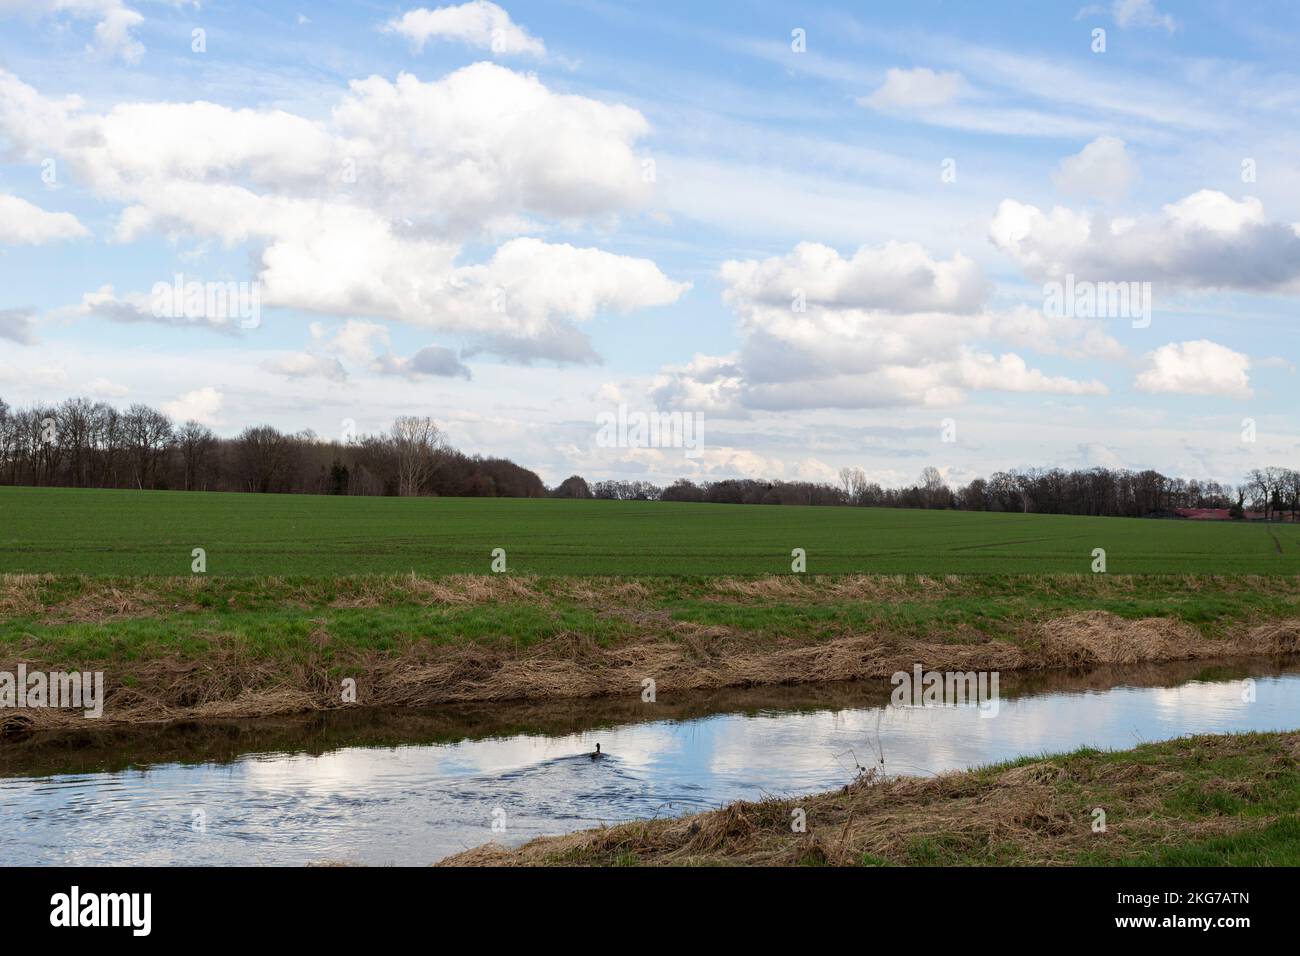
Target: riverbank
x=199 y=647
x=1225 y=800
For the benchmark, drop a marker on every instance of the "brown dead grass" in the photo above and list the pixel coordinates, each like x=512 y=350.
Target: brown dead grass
x=20 y=594
x=227 y=682
x=457 y=589
x=1036 y=814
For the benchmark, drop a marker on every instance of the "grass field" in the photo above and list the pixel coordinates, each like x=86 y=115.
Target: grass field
x=302 y=591
x=105 y=532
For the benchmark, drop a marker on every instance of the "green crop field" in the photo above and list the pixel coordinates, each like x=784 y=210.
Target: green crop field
x=101 y=532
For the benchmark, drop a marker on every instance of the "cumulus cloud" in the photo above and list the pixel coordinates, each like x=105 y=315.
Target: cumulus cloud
x=307 y=365
x=479 y=24
x=435 y=360
x=366 y=344
x=1009 y=373
x=113 y=26
x=888 y=326
x=368 y=214
x=113 y=35
x=202 y=405
x=1197 y=368
x=710 y=384
x=482 y=145
x=1101 y=170
x=22 y=223
x=1065 y=335
x=914 y=89
x=432 y=360
x=356 y=340
x=813 y=469
x=897 y=277
x=1207 y=240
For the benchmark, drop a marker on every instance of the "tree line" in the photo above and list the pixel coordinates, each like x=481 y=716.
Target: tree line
x=1111 y=492
x=87 y=444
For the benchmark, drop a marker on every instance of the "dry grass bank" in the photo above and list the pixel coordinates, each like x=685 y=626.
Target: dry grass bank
x=1208 y=800
x=193 y=648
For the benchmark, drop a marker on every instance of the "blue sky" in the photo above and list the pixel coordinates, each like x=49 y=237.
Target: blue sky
x=556 y=208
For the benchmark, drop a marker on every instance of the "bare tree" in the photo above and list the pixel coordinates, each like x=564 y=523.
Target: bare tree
x=1291 y=484
x=7 y=442
x=263 y=456
x=74 y=424
x=846 y=482
x=196 y=443
x=936 y=490
x=148 y=434
x=416 y=440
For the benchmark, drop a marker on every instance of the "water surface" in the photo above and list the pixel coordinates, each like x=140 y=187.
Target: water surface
x=412 y=787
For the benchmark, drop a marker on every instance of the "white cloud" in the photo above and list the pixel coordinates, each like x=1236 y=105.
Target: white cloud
x=889 y=326
x=307 y=365
x=106 y=388
x=432 y=360
x=366 y=214
x=896 y=277
x=1009 y=373
x=812 y=469
x=113 y=32
x=1204 y=241
x=914 y=89
x=709 y=462
x=479 y=24
x=356 y=340
x=711 y=384
x=1064 y=335
x=1101 y=170
x=366 y=344
x=538 y=282
x=485 y=142
x=203 y=405
x=22 y=223
x=1196 y=368
x=115 y=21
x=1133 y=13
x=43 y=376
x=134 y=307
